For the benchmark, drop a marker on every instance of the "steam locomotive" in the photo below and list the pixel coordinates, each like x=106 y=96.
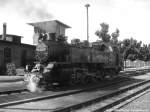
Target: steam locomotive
x=67 y=64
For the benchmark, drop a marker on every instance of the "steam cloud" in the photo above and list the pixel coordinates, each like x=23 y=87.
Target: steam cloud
x=32 y=9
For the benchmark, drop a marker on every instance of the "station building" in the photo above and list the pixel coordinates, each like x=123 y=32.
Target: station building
x=13 y=51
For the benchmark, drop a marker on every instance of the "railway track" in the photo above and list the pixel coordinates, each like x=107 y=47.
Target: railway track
x=111 y=101
x=8 y=92
x=103 y=102
x=124 y=73
x=33 y=97
x=97 y=100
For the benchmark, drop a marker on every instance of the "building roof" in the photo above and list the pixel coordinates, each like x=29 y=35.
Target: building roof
x=19 y=44
x=47 y=25
x=12 y=35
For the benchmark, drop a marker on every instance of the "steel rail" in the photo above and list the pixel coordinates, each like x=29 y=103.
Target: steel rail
x=60 y=94
x=101 y=100
x=53 y=95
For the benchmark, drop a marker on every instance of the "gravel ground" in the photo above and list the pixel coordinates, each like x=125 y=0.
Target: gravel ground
x=10 y=78
x=141 y=104
x=52 y=104
x=11 y=83
x=11 y=86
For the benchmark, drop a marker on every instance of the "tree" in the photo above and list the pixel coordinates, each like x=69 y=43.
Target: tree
x=144 y=54
x=130 y=49
x=103 y=32
x=115 y=36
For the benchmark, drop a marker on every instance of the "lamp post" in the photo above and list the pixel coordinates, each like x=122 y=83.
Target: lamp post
x=87 y=6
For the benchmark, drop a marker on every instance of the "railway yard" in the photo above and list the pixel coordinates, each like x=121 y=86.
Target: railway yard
x=124 y=93
x=65 y=71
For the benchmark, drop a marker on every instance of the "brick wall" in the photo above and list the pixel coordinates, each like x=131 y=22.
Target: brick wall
x=16 y=52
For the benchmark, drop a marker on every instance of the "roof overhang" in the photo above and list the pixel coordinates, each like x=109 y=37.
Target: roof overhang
x=38 y=24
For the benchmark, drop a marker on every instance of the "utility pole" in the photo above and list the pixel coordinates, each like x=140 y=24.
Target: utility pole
x=87 y=6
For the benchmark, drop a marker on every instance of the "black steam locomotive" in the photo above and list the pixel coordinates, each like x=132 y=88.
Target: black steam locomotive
x=67 y=64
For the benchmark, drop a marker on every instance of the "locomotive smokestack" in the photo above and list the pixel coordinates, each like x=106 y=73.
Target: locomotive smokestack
x=4 y=31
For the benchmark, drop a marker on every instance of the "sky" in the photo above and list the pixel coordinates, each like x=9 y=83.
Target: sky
x=131 y=17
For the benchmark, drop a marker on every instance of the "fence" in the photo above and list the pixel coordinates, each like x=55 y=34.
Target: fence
x=136 y=63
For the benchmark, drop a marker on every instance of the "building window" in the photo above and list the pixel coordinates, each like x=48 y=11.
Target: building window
x=7 y=55
x=23 y=58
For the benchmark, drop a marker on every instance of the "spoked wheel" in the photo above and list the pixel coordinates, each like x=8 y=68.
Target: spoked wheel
x=75 y=79
x=72 y=81
x=102 y=74
x=110 y=74
x=87 y=80
x=107 y=74
x=113 y=73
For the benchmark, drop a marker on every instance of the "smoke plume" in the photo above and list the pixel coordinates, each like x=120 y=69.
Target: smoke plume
x=31 y=9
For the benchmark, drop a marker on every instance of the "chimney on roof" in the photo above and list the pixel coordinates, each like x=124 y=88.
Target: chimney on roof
x=4 y=31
